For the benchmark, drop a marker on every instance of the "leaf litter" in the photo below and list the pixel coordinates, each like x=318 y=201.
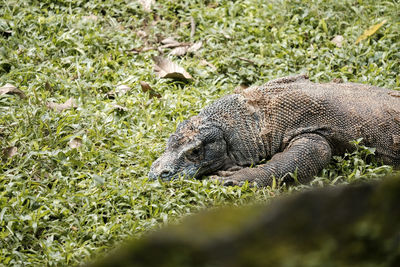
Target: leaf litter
x=70 y=103
x=165 y=68
x=10 y=152
x=370 y=31
x=12 y=90
x=147 y=88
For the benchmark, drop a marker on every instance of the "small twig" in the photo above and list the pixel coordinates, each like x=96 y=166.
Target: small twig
x=247 y=60
x=192 y=27
x=142 y=49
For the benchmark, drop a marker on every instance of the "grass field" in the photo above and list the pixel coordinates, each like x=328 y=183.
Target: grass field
x=73 y=178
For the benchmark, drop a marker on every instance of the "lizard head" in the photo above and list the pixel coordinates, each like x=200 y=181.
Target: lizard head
x=195 y=149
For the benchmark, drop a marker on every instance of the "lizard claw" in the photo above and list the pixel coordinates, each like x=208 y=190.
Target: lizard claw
x=226 y=181
x=232 y=181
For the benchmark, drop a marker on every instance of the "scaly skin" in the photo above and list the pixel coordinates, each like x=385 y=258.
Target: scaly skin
x=293 y=123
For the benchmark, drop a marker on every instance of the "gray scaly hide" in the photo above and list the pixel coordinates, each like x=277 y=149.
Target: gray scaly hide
x=294 y=124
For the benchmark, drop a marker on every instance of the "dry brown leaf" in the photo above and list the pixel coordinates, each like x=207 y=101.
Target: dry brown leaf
x=196 y=46
x=75 y=142
x=204 y=62
x=169 y=40
x=338 y=40
x=165 y=68
x=371 y=30
x=48 y=87
x=120 y=108
x=142 y=49
x=179 y=51
x=10 y=152
x=147 y=88
x=146 y=4
x=142 y=34
x=173 y=45
x=11 y=90
x=70 y=103
x=186 y=48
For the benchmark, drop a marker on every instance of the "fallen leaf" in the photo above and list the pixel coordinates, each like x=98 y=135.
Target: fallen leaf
x=11 y=90
x=338 y=40
x=212 y=5
x=48 y=87
x=165 y=68
x=70 y=103
x=196 y=46
x=146 y=4
x=370 y=31
x=204 y=62
x=119 y=91
x=179 y=51
x=119 y=108
x=147 y=88
x=169 y=40
x=141 y=34
x=142 y=49
x=75 y=142
x=10 y=152
x=186 y=48
x=173 y=45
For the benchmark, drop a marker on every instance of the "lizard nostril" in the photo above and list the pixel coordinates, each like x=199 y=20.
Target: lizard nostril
x=165 y=174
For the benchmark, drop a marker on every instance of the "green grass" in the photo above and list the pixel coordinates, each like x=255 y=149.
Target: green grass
x=61 y=205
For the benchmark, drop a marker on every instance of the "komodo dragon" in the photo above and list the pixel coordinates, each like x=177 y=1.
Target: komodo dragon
x=294 y=124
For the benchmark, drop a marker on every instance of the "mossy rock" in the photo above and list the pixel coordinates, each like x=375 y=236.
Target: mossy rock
x=357 y=225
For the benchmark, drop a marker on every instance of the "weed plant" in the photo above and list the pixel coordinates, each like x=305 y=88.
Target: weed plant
x=61 y=204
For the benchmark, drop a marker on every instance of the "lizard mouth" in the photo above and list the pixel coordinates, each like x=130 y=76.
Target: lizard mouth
x=168 y=175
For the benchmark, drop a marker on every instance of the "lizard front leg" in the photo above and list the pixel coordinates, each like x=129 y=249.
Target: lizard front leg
x=306 y=154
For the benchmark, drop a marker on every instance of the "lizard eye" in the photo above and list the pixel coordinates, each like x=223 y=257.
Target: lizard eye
x=195 y=154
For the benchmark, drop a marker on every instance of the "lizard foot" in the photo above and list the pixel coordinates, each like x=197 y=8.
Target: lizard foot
x=230 y=180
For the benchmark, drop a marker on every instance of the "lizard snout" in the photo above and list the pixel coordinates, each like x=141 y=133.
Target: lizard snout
x=165 y=174
x=161 y=169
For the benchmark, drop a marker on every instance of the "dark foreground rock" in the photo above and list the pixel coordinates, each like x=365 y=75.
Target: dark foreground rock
x=356 y=225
